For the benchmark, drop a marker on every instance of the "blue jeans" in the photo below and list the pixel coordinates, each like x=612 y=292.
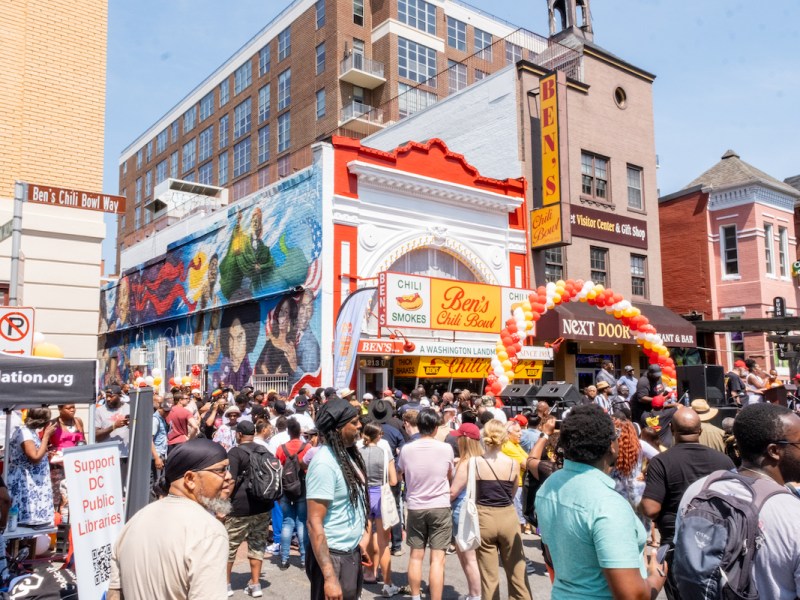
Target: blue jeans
x=294 y=517
x=277 y=523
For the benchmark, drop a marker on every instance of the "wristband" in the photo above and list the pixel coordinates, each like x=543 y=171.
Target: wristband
x=546 y=436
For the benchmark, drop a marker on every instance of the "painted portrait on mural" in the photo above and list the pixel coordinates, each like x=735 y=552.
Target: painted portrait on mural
x=308 y=355
x=238 y=332
x=248 y=264
x=279 y=356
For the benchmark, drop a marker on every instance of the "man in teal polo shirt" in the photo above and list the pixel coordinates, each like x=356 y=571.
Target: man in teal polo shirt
x=336 y=497
x=594 y=538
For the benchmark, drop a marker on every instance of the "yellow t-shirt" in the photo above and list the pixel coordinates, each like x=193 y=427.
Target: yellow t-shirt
x=517 y=453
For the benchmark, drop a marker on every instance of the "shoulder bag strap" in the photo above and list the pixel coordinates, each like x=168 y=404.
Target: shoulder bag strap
x=500 y=480
x=385 y=466
x=471 y=475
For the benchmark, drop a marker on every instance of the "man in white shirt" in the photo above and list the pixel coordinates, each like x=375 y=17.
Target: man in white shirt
x=628 y=379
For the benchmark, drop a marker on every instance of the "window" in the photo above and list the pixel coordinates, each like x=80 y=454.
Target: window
x=358 y=12
x=139 y=159
x=263 y=104
x=223 y=169
x=480 y=74
x=174 y=128
x=728 y=250
x=206 y=144
x=264 y=60
x=320 y=103
x=148 y=184
x=189 y=119
x=263 y=144
x=241 y=119
x=224 y=93
x=284 y=131
x=635 y=188
x=161 y=142
x=419 y=14
x=554 y=264
x=639 y=275
x=263 y=177
x=284 y=43
x=149 y=150
x=513 y=53
x=240 y=189
x=189 y=154
x=284 y=165
x=594 y=171
x=598 y=264
x=358 y=94
x=412 y=99
x=241 y=158
x=138 y=220
x=223 y=131
x=284 y=89
x=242 y=77
x=139 y=191
x=319 y=8
x=456 y=34
x=456 y=76
x=173 y=165
x=769 y=241
x=124 y=169
x=483 y=44
x=161 y=171
x=189 y=176
x=736 y=343
x=205 y=174
x=783 y=251
x=320 y=58
x=148 y=216
x=416 y=62
x=207 y=105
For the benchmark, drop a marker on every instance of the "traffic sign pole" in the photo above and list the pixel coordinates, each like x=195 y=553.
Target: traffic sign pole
x=20 y=190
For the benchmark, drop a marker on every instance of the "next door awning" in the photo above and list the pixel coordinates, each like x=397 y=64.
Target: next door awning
x=581 y=321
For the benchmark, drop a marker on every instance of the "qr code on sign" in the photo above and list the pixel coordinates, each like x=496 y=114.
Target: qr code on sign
x=101 y=560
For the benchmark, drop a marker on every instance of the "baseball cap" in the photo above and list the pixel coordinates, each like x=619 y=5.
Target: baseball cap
x=628 y=369
x=658 y=401
x=521 y=419
x=114 y=389
x=740 y=363
x=246 y=428
x=368 y=396
x=469 y=430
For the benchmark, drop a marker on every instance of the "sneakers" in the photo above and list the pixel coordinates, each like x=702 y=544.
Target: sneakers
x=397 y=551
x=274 y=548
x=230 y=591
x=389 y=590
x=254 y=590
x=284 y=564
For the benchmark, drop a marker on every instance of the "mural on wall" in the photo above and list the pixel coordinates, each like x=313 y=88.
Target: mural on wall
x=234 y=287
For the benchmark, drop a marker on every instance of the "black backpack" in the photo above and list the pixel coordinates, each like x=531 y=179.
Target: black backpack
x=293 y=475
x=719 y=537
x=263 y=474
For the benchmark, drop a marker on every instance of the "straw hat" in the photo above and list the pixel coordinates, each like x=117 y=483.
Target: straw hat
x=704 y=411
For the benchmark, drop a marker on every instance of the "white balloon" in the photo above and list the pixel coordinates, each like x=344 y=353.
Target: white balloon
x=519 y=314
x=550 y=288
x=156 y=372
x=149 y=380
x=38 y=338
x=499 y=372
x=503 y=379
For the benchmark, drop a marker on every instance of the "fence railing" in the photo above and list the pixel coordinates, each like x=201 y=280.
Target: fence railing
x=362 y=63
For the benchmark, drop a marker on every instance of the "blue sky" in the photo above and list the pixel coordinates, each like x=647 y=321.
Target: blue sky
x=727 y=71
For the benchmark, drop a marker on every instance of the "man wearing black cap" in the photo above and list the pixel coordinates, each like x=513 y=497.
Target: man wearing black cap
x=249 y=519
x=336 y=496
x=175 y=548
x=648 y=386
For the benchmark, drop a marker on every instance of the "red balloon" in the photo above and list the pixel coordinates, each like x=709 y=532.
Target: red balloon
x=536 y=316
x=487 y=390
x=518 y=347
x=137 y=373
x=617 y=298
x=496 y=387
x=196 y=370
x=541 y=290
x=516 y=337
x=514 y=360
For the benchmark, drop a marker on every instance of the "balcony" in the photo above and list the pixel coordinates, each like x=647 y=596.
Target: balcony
x=361 y=71
x=361 y=118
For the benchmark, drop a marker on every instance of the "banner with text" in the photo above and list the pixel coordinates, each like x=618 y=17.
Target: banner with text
x=444 y=304
x=458 y=367
x=94 y=487
x=347 y=334
x=606 y=227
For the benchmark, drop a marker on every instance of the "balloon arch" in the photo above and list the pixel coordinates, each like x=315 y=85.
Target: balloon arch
x=546 y=297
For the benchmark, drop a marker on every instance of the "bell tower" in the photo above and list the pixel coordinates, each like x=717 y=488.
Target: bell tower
x=570 y=18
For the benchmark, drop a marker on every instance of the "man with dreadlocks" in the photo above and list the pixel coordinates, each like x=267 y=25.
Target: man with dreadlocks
x=336 y=496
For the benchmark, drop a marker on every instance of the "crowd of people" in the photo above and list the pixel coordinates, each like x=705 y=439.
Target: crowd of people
x=338 y=485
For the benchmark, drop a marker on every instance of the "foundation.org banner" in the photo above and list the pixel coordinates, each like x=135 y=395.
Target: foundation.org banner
x=31 y=381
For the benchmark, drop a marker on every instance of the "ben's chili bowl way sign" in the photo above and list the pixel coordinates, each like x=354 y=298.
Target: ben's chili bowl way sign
x=444 y=304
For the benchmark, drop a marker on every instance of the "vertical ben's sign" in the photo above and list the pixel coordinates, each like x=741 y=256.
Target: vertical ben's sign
x=551 y=180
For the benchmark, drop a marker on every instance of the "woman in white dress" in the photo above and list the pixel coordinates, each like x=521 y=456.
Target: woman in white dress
x=29 y=473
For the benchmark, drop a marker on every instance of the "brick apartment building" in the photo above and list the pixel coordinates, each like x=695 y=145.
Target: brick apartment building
x=52 y=112
x=728 y=240
x=319 y=68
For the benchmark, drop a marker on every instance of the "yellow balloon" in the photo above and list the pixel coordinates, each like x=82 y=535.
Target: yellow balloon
x=561 y=283
x=528 y=315
x=648 y=345
x=526 y=307
x=529 y=326
x=48 y=349
x=157 y=381
x=506 y=364
x=502 y=356
x=598 y=288
x=557 y=299
x=617 y=314
x=591 y=295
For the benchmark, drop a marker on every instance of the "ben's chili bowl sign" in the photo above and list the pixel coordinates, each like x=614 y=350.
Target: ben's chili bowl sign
x=444 y=304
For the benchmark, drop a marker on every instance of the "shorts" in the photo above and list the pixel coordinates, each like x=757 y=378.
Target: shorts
x=375 y=502
x=429 y=528
x=253 y=529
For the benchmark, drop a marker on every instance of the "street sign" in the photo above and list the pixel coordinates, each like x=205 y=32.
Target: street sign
x=16 y=330
x=6 y=229
x=778 y=307
x=45 y=194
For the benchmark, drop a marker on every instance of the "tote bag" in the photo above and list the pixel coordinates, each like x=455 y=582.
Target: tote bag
x=389 y=514
x=468 y=536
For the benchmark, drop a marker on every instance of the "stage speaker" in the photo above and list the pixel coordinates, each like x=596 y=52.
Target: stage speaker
x=516 y=398
x=724 y=411
x=703 y=381
x=559 y=393
x=776 y=395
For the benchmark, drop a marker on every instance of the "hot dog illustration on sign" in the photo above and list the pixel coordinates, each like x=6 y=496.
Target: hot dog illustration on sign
x=409 y=301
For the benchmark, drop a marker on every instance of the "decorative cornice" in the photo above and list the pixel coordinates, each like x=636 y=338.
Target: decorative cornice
x=427 y=188
x=720 y=199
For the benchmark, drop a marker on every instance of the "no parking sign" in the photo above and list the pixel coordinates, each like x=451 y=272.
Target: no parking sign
x=16 y=330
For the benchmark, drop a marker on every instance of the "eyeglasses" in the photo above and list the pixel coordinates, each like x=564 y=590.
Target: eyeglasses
x=220 y=471
x=788 y=443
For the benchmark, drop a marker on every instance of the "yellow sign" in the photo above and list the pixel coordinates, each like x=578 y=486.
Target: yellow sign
x=548 y=123
x=546 y=227
x=461 y=306
x=458 y=367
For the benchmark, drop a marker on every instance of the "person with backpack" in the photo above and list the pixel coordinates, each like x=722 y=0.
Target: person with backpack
x=759 y=500
x=256 y=474
x=293 y=500
x=670 y=473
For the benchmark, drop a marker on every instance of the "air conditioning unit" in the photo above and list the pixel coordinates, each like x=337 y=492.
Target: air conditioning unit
x=139 y=357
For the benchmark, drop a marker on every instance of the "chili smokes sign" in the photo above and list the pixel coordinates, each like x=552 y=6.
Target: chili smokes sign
x=605 y=227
